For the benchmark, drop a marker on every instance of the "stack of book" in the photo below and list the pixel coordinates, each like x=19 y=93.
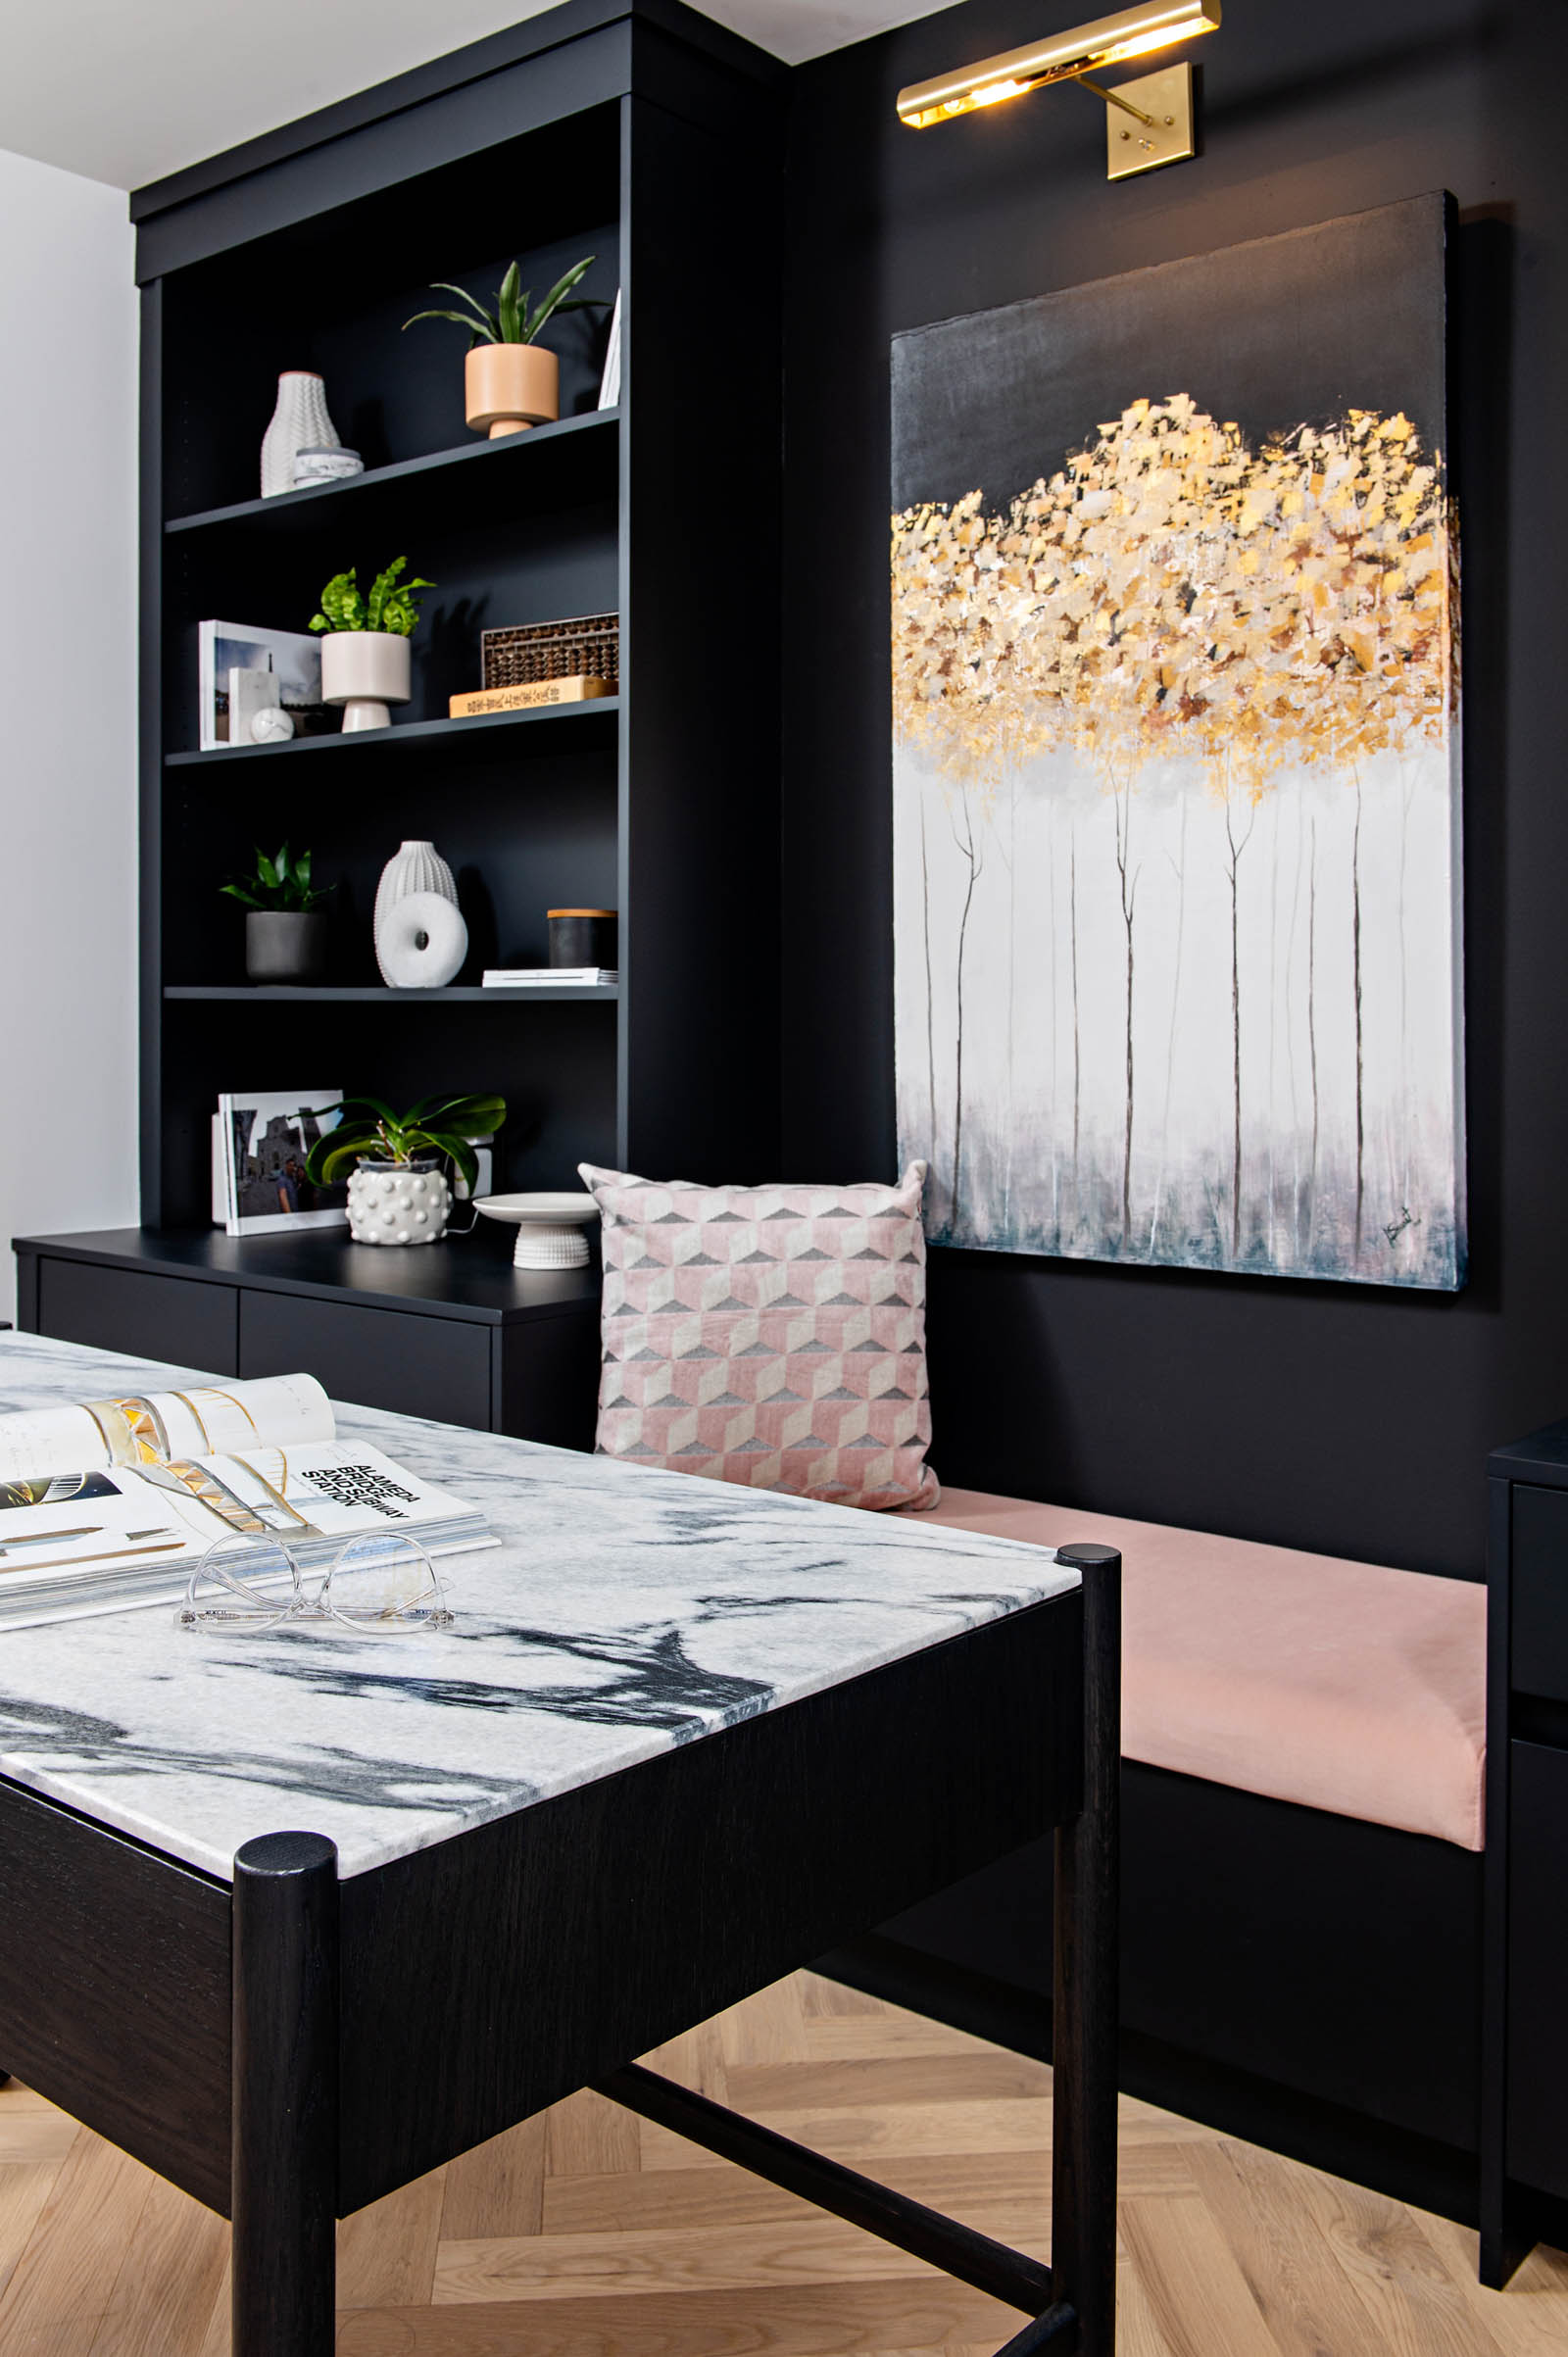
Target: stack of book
x=544 y=977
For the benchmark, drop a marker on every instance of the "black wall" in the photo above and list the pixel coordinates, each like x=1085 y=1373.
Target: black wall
x=1347 y=1419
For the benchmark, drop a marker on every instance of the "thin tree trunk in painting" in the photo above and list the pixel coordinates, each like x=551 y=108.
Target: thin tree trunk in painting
x=1311 y=1039
x=1290 y=1039
x=930 y=1019
x=1236 y=849
x=1129 y=897
x=1356 y=963
x=975 y=863
x=1072 y=909
x=1179 y=870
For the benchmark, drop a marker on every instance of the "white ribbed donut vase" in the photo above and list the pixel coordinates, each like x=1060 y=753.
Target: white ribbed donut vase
x=413 y=868
x=300 y=421
x=398 y=1203
x=424 y=942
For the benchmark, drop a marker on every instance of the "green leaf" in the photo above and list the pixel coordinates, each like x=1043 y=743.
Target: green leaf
x=477 y=321
x=507 y=315
x=479 y=336
x=460 y=1152
x=374 y=1105
x=266 y=870
x=332 y=1155
x=302 y=871
x=238 y=892
x=552 y=301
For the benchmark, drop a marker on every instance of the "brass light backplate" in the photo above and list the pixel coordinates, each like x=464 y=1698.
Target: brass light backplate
x=1132 y=146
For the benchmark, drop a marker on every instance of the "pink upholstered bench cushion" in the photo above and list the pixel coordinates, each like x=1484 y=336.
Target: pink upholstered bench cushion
x=1340 y=1685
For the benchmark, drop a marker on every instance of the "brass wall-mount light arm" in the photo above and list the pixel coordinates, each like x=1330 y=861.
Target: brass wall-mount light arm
x=1168 y=134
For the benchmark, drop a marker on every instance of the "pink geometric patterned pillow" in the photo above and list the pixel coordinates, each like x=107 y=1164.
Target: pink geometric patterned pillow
x=769 y=1335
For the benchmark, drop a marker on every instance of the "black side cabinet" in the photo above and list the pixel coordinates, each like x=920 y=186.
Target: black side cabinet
x=1525 y=2125
x=449 y=1330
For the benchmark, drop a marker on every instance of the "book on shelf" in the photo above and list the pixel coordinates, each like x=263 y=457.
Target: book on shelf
x=580 y=688
x=292 y=656
x=107 y=1505
x=259 y=1140
x=542 y=977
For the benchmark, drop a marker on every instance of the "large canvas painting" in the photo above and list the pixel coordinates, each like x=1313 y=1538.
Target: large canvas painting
x=1176 y=767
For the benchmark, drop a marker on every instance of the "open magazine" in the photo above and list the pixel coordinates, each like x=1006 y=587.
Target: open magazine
x=107 y=1504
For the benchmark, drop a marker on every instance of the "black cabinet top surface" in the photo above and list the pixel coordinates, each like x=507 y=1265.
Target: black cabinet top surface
x=1540 y=1457
x=469 y=1277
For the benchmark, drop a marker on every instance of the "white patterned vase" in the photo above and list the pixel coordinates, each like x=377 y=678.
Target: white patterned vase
x=398 y=1203
x=414 y=867
x=300 y=421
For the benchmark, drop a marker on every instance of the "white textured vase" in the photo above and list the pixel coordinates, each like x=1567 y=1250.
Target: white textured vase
x=300 y=421
x=398 y=1203
x=414 y=867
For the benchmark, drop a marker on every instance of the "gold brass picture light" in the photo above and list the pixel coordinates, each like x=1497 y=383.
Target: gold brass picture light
x=1148 y=122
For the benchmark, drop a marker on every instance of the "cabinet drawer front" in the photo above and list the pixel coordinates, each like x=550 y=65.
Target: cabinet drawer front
x=1540 y=1642
x=1537 y=1966
x=149 y=1316
x=419 y=1366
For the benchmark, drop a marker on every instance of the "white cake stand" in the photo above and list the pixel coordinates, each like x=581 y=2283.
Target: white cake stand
x=550 y=1227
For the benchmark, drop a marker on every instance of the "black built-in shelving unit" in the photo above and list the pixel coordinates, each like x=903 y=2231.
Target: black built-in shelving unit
x=640 y=132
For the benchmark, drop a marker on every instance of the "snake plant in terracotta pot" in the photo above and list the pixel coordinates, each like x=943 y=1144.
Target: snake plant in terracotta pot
x=509 y=381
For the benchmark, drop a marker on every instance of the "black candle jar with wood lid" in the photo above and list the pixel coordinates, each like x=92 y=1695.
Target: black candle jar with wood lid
x=585 y=937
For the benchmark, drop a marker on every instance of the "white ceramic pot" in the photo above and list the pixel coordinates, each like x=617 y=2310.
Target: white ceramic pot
x=300 y=421
x=413 y=868
x=398 y=1203
x=365 y=671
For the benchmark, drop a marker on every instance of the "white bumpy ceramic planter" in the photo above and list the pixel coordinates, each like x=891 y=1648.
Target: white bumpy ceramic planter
x=398 y=1203
x=365 y=671
x=414 y=867
x=300 y=421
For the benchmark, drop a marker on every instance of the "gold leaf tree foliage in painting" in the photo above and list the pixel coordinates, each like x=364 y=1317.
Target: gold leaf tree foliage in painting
x=1172 y=593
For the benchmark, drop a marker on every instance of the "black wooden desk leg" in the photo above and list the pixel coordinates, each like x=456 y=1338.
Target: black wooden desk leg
x=1085 y=1998
x=285 y=2096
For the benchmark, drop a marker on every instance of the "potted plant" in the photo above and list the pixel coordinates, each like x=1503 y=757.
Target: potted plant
x=398 y=1186
x=285 y=922
x=509 y=381
x=364 y=657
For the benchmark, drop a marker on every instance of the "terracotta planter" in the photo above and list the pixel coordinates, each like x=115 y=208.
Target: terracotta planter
x=286 y=945
x=365 y=671
x=510 y=386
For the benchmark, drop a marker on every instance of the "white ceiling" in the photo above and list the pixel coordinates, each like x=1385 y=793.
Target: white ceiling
x=126 y=90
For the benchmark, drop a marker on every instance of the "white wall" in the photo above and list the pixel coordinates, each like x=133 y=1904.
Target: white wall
x=68 y=705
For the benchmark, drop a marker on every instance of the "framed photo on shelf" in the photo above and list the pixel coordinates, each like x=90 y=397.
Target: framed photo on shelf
x=293 y=656
x=263 y=1139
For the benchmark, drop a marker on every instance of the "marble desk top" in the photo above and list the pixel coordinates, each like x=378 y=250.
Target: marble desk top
x=625 y=1611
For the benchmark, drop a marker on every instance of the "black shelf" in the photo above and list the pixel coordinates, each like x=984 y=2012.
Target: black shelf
x=604 y=142
x=545 y=719
x=300 y=993
x=573 y=458
x=470 y=1277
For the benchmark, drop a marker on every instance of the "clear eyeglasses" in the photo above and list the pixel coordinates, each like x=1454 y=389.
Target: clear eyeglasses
x=382 y=1581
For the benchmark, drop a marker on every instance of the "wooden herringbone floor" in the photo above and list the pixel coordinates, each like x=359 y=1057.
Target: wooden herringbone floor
x=587 y=2234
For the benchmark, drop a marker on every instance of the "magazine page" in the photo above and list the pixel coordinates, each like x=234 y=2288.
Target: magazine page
x=56 y=1532
x=322 y=1493
x=279 y=1410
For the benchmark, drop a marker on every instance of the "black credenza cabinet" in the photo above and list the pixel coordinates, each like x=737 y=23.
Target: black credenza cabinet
x=1525 y=2128
x=450 y=1329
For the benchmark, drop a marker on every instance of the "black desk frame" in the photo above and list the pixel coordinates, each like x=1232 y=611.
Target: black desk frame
x=289 y=2048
